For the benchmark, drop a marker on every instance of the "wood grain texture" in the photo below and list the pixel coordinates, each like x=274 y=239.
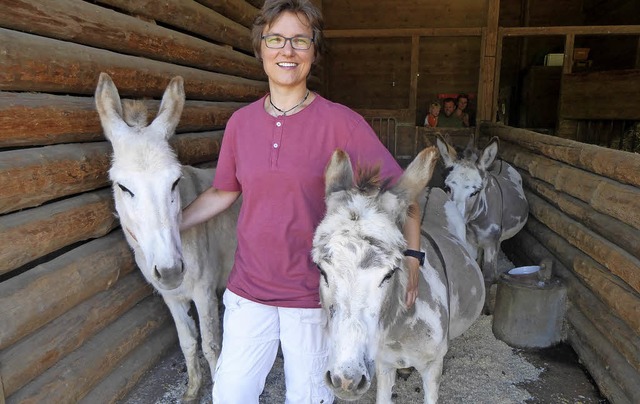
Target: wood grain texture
x=33 y=63
x=30 y=234
x=34 y=176
x=89 y=24
x=615 y=164
x=74 y=376
x=191 y=17
x=34 y=298
x=34 y=354
x=35 y=119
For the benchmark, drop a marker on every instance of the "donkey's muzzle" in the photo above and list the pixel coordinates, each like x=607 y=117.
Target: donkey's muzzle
x=348 y=387
x=168 y=278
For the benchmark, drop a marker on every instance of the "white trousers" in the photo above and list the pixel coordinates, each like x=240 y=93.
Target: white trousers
x=252 y=333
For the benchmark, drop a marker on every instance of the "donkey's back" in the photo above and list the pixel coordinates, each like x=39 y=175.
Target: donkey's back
x=208 y=248
x=443 y=241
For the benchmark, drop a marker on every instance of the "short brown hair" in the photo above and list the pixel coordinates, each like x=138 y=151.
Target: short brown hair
x=272 y=9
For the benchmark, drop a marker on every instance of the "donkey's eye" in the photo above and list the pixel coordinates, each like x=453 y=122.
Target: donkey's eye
x=388 y=276
x=125 y=190
x=447 y=189
x=474 y=193
x=324 y=275
x=175 y=184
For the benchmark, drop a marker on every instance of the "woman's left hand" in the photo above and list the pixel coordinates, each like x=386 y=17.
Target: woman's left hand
x=413 y=265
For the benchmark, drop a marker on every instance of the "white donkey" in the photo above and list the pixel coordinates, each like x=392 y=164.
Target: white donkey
x=358 y=248
x=490 y=197
x=150 y=187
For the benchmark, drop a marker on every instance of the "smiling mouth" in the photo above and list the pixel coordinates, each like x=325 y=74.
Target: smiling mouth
x=287 y=64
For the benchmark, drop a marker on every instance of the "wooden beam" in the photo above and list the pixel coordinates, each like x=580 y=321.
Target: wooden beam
x=33 y=176
x=34 y=233
x=617 y=165
x=36 y=119
x=624 y=236
x=567 y=64
x=401 y=32
x=415 y=61
x=603 y=195
x=496 y=80
x=69 y=380
x=33 y=298
x=570 y=29
x=237 y=10
x=593 y=248
x=28 y=358
x=99 y=27
x=487 y=99
x=189 y=16
x=567 y=67
x=68 y=68
x=115 y=386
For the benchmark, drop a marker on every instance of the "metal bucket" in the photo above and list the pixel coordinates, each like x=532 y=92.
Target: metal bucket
x=530 y=307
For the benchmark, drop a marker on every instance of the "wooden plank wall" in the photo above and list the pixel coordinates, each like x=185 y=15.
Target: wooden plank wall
x=380 y=72
x=585 y=215
x=78 y=320
x=601 y=95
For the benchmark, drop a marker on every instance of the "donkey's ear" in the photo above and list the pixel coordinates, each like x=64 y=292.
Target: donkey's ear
x=489 y=154
x=417 y=174
x=170 y=109
x=471 y=144
x=338 y=175
x=108 y=105
x=448 y=153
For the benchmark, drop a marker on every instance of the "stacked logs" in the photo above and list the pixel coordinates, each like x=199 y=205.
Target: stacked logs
x=78 y=320
x=585 y=214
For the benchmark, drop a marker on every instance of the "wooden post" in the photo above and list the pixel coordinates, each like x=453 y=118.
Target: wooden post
x=567 y=66
x=486 y=96
x=413 y=90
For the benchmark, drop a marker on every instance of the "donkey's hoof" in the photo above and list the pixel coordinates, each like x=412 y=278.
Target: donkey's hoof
x=190 y=399
x=191 y=396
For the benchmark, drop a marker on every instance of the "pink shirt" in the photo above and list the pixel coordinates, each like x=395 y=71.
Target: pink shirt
x=278 y=165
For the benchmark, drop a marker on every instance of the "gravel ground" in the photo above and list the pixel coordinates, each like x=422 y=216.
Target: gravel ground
x=478 y=369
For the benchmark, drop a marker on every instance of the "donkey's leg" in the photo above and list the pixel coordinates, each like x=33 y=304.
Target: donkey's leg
x=489 y=271
x=431 y=375
x=206 y=301
x=188 y=336
x=385 y=378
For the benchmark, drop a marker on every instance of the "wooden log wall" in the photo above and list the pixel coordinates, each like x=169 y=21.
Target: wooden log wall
x=79 y=323
x=585 y=214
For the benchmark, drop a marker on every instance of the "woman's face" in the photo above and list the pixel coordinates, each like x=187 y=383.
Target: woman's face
x=462 y=104
x=288 y=67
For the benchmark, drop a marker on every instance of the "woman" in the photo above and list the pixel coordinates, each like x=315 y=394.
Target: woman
x=462 y=102
x=274 y=152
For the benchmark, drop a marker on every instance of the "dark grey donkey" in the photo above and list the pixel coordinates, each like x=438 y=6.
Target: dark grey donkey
x=489 y=195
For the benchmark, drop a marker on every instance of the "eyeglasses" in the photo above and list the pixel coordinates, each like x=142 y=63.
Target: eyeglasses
x=276 y=41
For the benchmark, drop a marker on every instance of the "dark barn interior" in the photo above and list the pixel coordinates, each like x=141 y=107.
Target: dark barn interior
x=557 y=81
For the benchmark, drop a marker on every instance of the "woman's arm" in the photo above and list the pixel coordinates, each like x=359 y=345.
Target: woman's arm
x=412 y=235
x=207 y=205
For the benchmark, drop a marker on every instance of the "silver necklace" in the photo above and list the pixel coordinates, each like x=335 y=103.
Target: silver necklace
x=290 y=109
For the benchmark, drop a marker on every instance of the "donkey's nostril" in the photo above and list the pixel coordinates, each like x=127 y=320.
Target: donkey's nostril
x=181 y=266
x=363 y=383
x=156 y=273
x=327 y=378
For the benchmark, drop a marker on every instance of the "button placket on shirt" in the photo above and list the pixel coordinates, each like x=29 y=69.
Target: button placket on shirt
x=277 y=141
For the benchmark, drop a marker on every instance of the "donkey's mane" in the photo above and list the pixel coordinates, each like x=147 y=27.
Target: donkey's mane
x=369 y=180
x=134 y=113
